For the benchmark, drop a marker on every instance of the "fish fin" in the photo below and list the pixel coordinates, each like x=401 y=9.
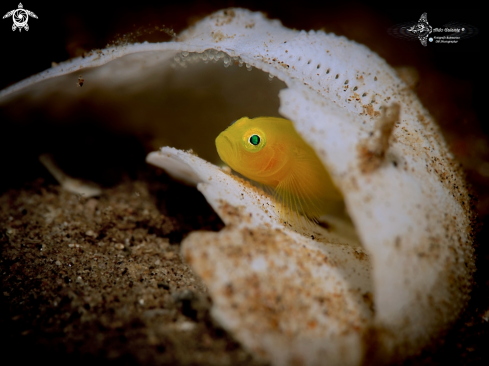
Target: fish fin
x=295 y=207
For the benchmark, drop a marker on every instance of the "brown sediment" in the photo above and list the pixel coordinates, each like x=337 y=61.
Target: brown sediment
x=102 y=278
x=372 y=150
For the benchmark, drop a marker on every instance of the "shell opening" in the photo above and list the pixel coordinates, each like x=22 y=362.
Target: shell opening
x=338 y=221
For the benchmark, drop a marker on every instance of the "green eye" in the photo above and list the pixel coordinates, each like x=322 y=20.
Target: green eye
x=254 y=139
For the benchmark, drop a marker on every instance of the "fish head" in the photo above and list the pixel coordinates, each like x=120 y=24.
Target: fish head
x=246 y=146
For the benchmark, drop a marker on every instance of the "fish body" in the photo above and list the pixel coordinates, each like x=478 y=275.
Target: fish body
x=268 y=150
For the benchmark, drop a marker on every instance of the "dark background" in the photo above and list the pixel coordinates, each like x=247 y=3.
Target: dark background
x=451 y=84
x=67 y=29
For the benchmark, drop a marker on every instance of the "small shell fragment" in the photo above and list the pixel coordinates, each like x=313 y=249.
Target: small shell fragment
x=73 y=185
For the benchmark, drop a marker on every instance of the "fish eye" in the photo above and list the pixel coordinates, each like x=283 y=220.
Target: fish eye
x=254 y=140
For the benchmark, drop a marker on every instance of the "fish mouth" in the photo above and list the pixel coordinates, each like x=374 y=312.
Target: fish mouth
x=225 y=147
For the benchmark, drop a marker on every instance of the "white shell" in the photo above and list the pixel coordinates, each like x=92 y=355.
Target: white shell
x=288 y=298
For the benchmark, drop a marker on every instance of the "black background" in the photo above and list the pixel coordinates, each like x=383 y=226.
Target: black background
x=68 y=29
x=64 y=29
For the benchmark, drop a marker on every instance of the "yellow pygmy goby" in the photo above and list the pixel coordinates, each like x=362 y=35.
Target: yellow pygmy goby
x=269 y=151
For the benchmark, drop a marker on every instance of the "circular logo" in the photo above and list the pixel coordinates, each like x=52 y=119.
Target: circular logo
x=20 y=18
